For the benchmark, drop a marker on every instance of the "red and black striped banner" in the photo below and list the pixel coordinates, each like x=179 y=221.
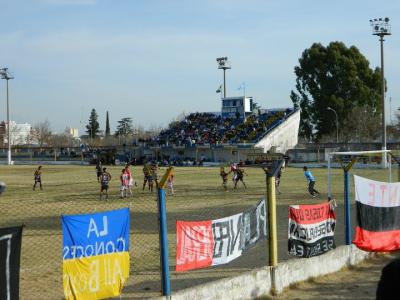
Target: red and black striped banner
x=311 y=229
x=378 y=215
x=200 y=244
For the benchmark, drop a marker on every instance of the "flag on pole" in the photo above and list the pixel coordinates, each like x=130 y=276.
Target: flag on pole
x=378 y=208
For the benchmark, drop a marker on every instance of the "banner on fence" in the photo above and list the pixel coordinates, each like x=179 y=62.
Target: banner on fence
x=311 y=229
x=378 y=211
x=95 y=254
x=10 y=253
x=201 y=244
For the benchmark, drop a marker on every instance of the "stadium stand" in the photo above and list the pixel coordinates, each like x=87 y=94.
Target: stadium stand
x=212 y=129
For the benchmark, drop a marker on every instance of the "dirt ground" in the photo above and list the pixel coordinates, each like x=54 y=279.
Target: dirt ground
x=357 y=282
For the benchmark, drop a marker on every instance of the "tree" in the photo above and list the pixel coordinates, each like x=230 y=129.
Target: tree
x=124 y=127
x=338 y=77
x=42 y=133
x=92 y=128
x=394 y=129
x=364 y=123
x=107 y=125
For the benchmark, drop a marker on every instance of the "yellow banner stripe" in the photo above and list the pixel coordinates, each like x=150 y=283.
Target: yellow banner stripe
x=95 y=277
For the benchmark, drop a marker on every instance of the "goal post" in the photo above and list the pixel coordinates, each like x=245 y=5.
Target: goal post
x=347 y=161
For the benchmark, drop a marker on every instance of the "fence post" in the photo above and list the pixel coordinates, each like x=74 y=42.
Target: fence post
x=165 y=280
x=162 y=215
x=347 y=206
x=273 y=245
x=347 y=216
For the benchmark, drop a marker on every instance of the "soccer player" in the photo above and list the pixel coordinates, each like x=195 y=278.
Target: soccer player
x=104 y=179
x=2 y=187
x=239 y=177
x=233 y=170
x=37 y=176
x=170 y=184
x=278 y=180
x=311 y=182
x=154 y=170
x=131 y=181
x=278 y=175
x=224 y=176
x=98 y=170
x=147 y=176
x=124 y=178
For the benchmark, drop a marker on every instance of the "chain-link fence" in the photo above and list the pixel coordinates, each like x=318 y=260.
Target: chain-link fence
x=75 y=190
x=209 y=201
x=198 y=196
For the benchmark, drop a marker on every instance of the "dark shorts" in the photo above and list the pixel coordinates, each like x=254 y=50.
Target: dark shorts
x=104 y=187
x=99 y=173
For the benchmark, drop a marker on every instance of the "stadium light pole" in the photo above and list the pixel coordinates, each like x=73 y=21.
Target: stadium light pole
x=224 y=64
x=381 y=27
x=7 y=76
x=337 y=123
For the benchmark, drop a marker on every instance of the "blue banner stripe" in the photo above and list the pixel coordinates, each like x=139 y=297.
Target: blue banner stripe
x=95 y=234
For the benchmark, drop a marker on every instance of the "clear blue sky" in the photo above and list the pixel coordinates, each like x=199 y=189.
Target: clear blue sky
x=152 y=60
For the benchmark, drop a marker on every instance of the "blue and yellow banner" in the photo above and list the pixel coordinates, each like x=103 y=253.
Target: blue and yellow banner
x=95 y=254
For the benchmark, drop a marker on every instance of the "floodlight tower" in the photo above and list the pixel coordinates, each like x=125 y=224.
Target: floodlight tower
x=7 y=76
x=381 y=27
x=224 y=64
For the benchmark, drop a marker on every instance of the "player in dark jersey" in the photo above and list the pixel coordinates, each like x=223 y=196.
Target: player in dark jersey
x=147 y=177
x=224 y=176
x=37 y=176
x=105 y=179
x=154 y=176
x=98 y=170
x=239 y=177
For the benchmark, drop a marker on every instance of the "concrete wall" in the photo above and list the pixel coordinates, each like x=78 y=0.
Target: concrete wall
x=283 y=137
x=259 y=281
x=297 y=270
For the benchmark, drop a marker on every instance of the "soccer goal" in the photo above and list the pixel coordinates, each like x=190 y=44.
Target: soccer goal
x=372 y=164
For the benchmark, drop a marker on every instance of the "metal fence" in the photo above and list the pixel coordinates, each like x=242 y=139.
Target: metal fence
x=198 y=196
x=75 y=190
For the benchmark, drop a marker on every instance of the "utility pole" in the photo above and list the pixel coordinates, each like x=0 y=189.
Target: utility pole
x=7 y=76
x=224 y=64
x=381 y=27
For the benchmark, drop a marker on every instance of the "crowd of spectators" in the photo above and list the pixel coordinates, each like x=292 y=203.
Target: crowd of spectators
x=208 y=128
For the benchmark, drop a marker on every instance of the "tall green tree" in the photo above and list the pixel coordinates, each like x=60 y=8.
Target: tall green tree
x=338 y=77
x=124 y=127
x=93 y=127
x=107 y=125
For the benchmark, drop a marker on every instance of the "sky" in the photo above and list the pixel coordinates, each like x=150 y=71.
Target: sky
x=153 y=60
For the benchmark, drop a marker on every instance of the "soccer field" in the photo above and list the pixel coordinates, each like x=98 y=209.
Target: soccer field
x=198 y=196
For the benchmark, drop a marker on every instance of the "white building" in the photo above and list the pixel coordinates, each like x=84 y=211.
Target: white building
x=72 y=132
x=20 y=134
x=237 y=107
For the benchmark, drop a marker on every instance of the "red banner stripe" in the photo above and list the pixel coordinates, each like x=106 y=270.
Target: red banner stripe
x=377 y=241
x=194 y=245
x=310 y=214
